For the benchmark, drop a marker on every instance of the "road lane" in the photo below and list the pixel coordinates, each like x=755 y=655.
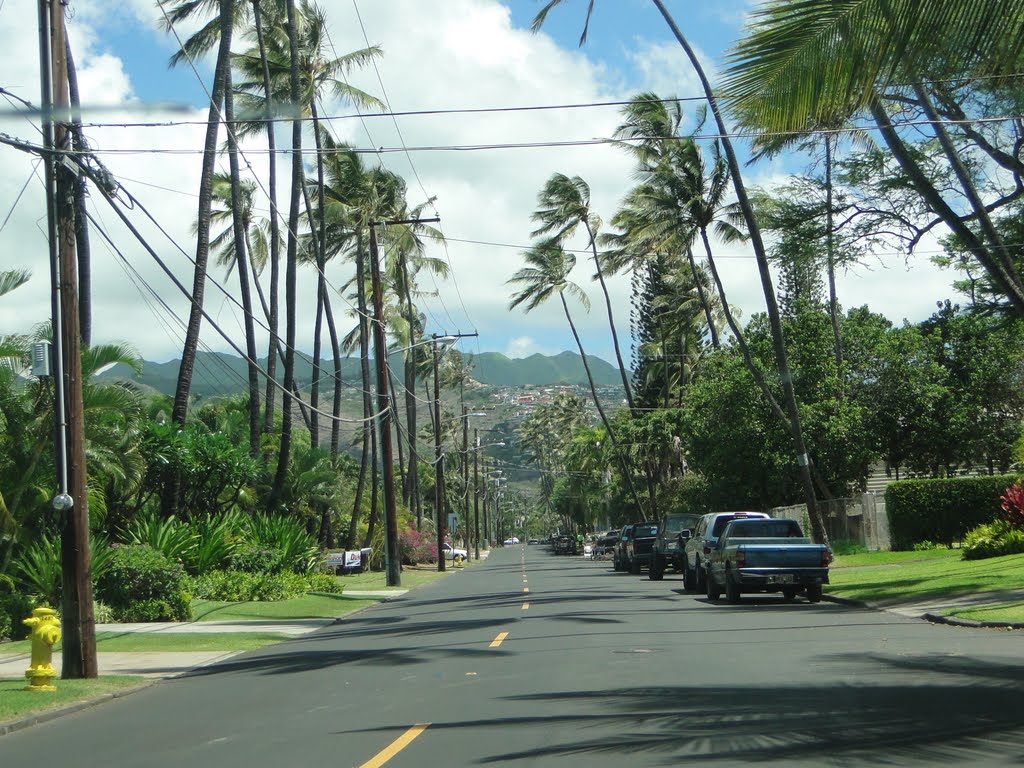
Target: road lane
x=603 y=669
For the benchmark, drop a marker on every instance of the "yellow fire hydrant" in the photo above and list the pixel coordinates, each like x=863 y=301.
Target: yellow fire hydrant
x=45 y=634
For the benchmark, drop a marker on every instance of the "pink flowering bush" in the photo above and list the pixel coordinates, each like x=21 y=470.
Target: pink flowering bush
x=417 y=547
x=1013 y=505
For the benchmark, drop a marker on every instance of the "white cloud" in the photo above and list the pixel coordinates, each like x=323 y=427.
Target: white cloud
x=524 y=346
x=460 y=53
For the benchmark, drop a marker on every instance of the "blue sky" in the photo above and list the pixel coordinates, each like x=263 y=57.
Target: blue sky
x=459 y=53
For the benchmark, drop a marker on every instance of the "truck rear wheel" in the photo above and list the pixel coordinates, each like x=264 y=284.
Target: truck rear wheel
x=732 y=587
x=689 y=579
x=657 y=569
x=634 y=567
x=814 y=593
x=713 y=592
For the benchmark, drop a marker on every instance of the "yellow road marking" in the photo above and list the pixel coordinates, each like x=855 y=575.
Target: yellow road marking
x=396 y=746
x=498 y=640
x=526 y=589
x=525 y=606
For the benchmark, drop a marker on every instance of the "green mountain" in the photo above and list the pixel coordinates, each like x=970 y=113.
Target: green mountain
x=538 y=370
x=217 y=373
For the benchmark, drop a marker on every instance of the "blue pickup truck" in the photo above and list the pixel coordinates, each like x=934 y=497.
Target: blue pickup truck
x=766 y=556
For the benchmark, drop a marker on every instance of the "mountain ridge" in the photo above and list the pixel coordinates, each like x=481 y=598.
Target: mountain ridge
x=218 y=373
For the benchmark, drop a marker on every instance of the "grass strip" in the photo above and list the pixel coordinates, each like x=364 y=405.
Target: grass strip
x=870 y=559
x=1011 y=613
x=921 y=579
x=15 y=702
x=412 y=576
x=313 y=605
x=169 y=642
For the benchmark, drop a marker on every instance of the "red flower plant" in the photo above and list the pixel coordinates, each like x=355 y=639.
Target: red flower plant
x=1013 y=505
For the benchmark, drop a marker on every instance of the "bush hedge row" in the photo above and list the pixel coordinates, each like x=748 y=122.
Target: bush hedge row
x=944 y=509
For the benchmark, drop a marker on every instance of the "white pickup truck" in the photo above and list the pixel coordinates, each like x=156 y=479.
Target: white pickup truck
x=766 y=556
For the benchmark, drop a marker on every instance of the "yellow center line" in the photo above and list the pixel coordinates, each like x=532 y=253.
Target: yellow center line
x=496 y=642
x=525 y=606
x=396 y=746
x=526 y=589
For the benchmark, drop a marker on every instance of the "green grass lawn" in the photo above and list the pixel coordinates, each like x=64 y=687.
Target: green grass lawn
x=906 y=576
x=1009 y=612
x=134 y=642
x=16 y=703
x=314 y=605
x=412 y=577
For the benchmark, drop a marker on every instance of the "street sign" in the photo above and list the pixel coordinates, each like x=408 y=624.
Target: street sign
x=453 y=521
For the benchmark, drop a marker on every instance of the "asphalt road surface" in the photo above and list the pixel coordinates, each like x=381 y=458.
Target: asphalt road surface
x=529 y=659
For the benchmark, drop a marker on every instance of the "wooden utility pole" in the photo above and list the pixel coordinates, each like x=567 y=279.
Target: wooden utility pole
x=476 y=492
x=439 y=508
x=380 y=353
x=79 y=627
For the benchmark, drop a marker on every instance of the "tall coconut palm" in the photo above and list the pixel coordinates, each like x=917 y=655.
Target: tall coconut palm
x=807 y=62
x=232 y=198
x=317 y=73
x=565 y=206
x=216 y=32
x=547 y=274
x=760 y=254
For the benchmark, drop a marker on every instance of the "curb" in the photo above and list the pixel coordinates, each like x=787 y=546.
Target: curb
x=954 y=621
x=849 y=602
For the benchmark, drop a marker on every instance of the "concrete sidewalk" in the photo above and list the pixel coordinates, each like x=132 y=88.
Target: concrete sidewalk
x=935 y=609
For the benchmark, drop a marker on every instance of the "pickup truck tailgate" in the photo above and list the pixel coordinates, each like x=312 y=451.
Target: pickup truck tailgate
x=768 y=553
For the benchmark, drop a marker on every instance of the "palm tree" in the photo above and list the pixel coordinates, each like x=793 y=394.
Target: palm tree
x=217 y=31
x=809 y=62
x=760 y=253
x=231 y=198
x=547 y=274
x=564 y=206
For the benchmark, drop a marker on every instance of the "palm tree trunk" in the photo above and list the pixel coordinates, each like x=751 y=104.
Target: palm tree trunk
x=332 y=330
x=702 y=295
x=611 y=320
x=320 y=244
x=833 y=303
x=291 y=269
x=774 y=317
x=364 y=369
x=627 y=473
x=374 y=482
x=240 y=227
x=183 y=387
x=275 y=230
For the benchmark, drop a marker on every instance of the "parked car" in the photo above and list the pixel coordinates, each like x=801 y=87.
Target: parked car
x=620 y=561
x=605 y=545
x=533 y=541
x=450 y=552
x=767 y=556
x=640 y=545
x=511 y=540
x=667 y=550
x=565 y=545
x=703 y=539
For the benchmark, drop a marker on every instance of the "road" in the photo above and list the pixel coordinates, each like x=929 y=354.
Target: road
x=532 y=660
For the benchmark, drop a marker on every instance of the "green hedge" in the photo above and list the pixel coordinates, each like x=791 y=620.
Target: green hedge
x=141 y=584
x=942 y=510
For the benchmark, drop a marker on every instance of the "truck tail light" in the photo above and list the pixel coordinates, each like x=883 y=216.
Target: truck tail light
x=741 y=558
x=707 y=550
x=826 y=558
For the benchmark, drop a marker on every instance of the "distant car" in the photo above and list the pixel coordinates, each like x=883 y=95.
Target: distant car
x=620 y=559
x=512 y=540
x=702 y=541
x=667 y=551
x=450 y=552
x=533 y=541
x=605 y=545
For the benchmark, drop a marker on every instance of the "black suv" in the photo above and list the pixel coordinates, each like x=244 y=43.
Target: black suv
x=640 y=545
x=668 y=546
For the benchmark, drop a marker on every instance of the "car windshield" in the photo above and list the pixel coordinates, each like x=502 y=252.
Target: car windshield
x=645 y=530
x=677 y=524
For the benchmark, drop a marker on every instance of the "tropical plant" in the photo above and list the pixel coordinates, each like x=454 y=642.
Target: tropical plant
x=287 y=535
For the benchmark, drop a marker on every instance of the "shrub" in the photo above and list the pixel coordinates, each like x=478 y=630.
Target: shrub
x=171 y=537
x=1013 y=505
x=14 y=607
x=218 y=539
x=287 y=535
x=323 y=582
x=243 y=587
x=993 y=540
x=942 y=510
x=417 y=547
x=141 y=584
x=37 y=568
x=253 y=558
